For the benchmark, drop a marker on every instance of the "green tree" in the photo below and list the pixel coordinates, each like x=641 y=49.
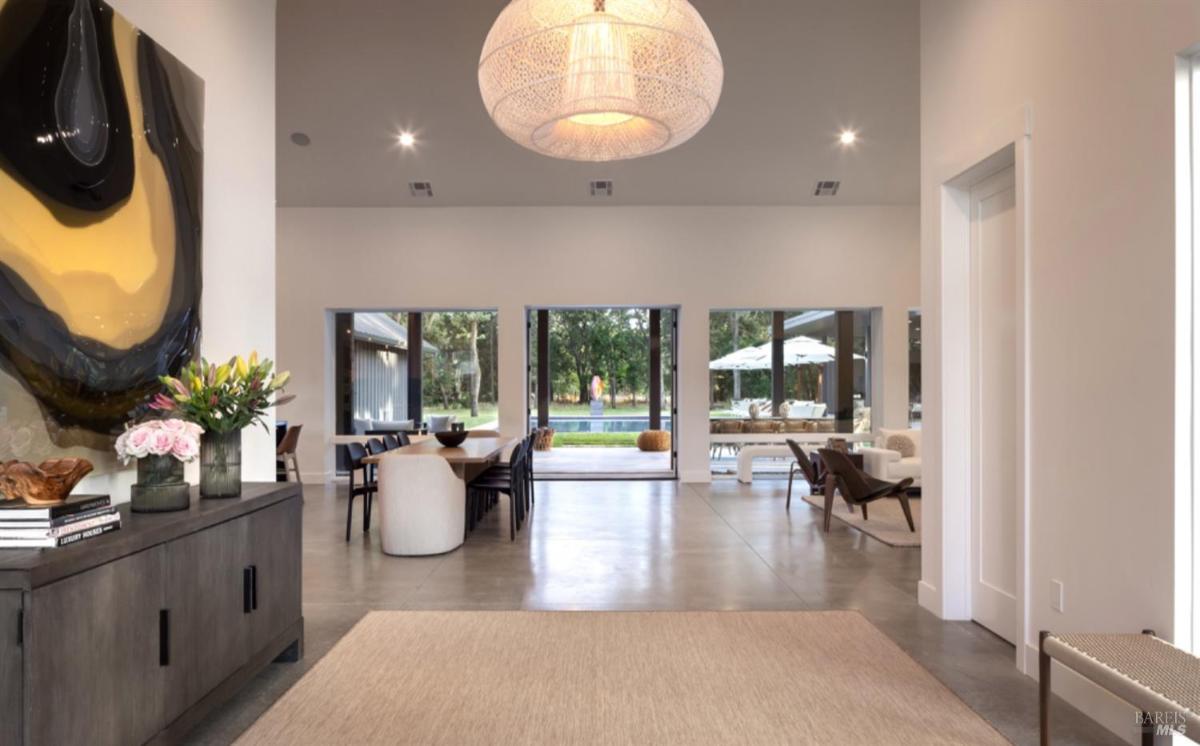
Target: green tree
x=455 y=372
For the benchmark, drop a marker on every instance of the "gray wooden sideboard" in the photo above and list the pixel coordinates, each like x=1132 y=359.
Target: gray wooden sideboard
x=134 y=636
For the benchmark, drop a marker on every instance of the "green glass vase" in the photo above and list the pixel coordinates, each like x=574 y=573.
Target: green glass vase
x=160 y=487
x=221 y=464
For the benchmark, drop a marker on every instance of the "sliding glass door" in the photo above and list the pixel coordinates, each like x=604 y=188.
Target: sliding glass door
x=602 y=391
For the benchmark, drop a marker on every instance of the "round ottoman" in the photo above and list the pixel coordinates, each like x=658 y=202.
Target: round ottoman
x=654 y=440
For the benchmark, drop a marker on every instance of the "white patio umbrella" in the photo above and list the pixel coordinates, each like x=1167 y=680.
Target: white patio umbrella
x=747 y=358
x=796 y=351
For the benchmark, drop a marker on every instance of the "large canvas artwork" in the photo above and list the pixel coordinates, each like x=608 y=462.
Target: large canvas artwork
x=100 y=188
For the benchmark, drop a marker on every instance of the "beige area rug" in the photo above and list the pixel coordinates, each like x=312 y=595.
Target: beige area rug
x=886 y=521
x=526 y=677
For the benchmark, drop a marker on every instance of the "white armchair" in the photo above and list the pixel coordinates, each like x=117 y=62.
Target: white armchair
x=422 y=505
x=884 y=460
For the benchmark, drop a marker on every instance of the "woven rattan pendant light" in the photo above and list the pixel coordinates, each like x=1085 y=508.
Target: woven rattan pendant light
x=600 y=80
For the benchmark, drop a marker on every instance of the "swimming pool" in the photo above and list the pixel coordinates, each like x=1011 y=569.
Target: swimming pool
x=601 y=424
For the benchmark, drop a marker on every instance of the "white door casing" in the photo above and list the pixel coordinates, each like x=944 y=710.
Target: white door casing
x=995 y=387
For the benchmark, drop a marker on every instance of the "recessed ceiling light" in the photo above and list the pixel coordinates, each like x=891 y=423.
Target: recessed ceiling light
x=406 y=139
x=848 y=137
x=301 y=139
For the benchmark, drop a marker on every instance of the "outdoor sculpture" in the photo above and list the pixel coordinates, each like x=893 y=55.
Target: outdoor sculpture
x=45 y=484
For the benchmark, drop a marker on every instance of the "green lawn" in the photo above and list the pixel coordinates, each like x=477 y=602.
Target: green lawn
x=601 y=440
x=487 y=413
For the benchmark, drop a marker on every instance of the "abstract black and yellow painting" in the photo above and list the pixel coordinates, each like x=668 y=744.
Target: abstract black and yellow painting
x=100 y=217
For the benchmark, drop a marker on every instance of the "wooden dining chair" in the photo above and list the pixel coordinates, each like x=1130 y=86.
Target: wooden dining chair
x=859 y=488
x=807 y=470
x=365 y=488
x=285 y=454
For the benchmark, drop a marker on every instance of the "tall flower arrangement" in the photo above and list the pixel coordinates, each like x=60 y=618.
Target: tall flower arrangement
x=224 y=397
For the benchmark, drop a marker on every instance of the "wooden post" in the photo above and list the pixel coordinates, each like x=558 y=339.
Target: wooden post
x=844 y=386
x=655 y=369
x=415 y=353
x=776 y=362
x=1043 y=689
x=543 y=367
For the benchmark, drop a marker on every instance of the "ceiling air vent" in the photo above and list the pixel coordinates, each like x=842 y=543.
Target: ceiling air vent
x=420 y=188
x=602 y=188
x=827 y=188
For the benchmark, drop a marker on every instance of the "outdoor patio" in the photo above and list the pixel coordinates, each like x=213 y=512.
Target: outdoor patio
x=600 y=462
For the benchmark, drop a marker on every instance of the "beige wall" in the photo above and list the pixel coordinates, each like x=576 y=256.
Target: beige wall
x=1098 y=79
x=511 y=258
x=231 y=45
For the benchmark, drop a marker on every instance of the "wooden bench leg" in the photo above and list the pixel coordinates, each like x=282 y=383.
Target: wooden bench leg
x=1147 y=720
x=1043 y=689
x=830 y=488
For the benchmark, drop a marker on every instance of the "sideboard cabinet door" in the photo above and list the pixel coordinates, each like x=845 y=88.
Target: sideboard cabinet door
x=207 y=584
x=93 y=647
x=275 y=537
x=11 y=675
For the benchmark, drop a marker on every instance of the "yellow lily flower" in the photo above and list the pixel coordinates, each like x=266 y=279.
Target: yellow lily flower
x=242 y=369
x=253 y=358
x=222 y=375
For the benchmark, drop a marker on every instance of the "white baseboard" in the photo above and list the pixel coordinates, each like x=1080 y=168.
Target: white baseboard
x=695 y=477
x=929 y=598
x=1092 y=700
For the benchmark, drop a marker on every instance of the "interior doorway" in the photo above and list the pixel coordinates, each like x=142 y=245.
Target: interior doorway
x=994 y=354
x=982 y=355
x=601 y=383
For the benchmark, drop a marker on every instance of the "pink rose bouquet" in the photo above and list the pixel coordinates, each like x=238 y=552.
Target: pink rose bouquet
x=172 y=437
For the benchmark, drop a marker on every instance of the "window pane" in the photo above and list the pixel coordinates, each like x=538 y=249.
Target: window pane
x=379 y=361
x=739 y=369
x=741 y=374
x=458 y=369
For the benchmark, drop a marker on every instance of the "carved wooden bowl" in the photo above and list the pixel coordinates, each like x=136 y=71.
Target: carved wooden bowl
x=47 y=483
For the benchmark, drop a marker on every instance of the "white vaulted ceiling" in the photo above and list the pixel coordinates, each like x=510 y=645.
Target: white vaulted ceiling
x=353 y=73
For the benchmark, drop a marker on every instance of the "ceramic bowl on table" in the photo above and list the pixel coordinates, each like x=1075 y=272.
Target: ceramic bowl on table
x=451 y=438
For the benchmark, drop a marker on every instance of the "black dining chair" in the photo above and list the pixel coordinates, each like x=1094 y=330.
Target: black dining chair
x=391 y=442
x=529 y=440
x=526 y=475
x=807 y=469
x=366 y=487
x=508 y=479
x=859 y=488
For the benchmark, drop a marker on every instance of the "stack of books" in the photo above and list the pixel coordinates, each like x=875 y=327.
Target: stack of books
x=24 y=526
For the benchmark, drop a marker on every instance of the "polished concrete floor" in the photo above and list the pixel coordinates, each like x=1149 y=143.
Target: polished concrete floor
x=650 y=545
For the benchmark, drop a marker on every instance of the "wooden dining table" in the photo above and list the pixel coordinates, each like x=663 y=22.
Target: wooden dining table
x=468 y=460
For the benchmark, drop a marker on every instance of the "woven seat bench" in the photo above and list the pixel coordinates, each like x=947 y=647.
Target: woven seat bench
x=1149 y=673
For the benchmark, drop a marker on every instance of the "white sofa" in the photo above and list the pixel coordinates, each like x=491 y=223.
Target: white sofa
x=882 y=463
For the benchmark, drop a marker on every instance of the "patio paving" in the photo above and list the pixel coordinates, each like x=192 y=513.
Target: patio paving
x=608 y=462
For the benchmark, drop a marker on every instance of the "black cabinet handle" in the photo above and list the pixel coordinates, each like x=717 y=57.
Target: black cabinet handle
x=164 y=637
x=254 y=587
x=247 y=589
